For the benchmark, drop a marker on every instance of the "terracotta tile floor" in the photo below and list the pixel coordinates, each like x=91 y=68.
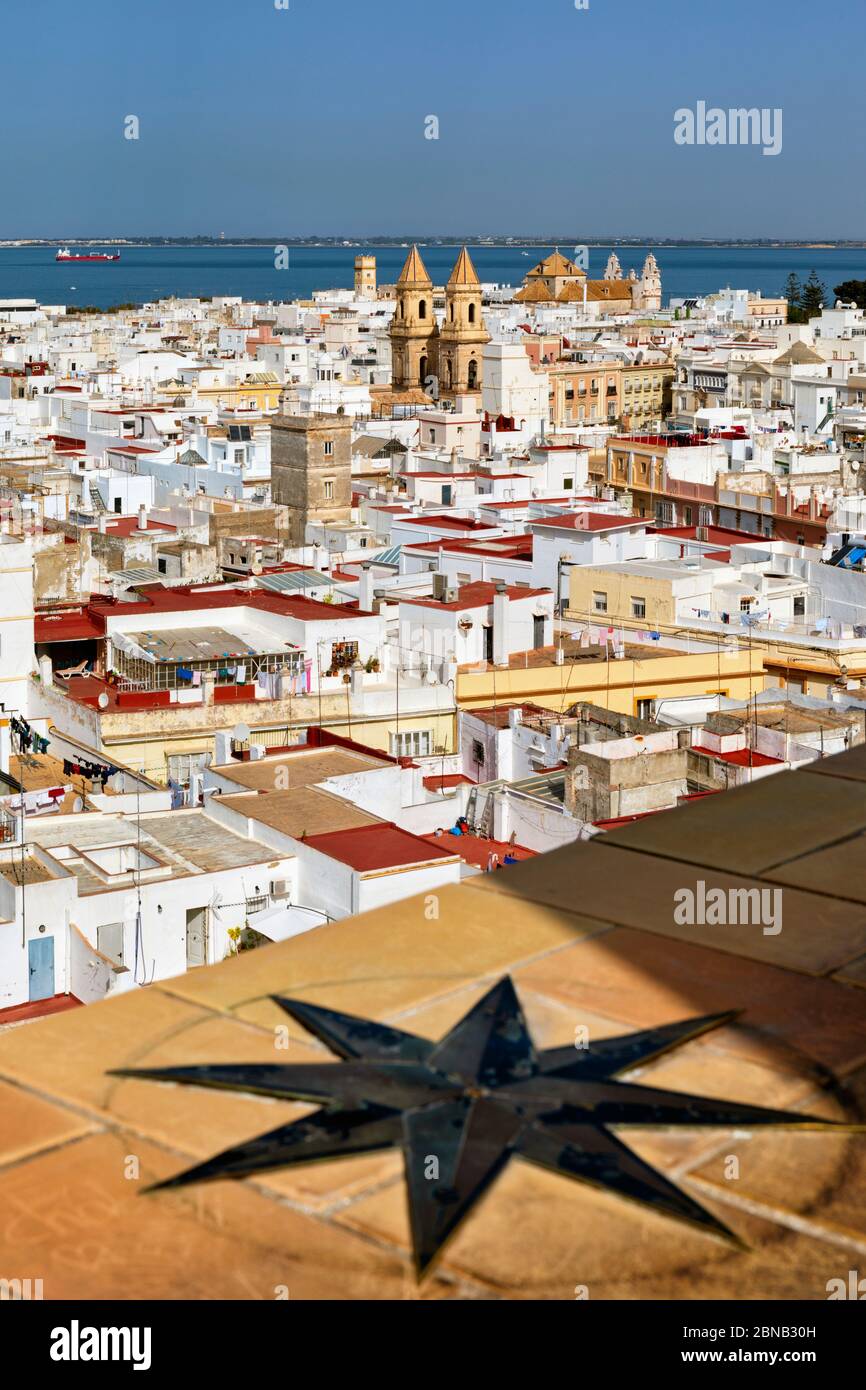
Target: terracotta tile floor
x=589 y=939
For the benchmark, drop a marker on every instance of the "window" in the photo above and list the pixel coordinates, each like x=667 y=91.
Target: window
x=329 y=448
x=422 y=309
x=599 y=602
x=799 y=605
x=471 y=313
x=328 y=489
x=644 y=709
x=478 y=752
x=118 y=505
x=568 y=483
x=161 y=565
x=414 y=743
x=343 y=655
x=745 y=604
x=638 y=607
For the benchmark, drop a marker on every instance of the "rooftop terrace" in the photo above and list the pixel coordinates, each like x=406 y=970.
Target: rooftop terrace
x=589 y=938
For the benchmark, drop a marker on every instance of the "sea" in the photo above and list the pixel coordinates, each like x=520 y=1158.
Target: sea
x=146 y=273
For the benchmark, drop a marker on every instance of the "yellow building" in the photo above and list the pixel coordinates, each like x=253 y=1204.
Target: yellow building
x=629 y=597
x=633 y=396
x=171 y=741
x=622 y=595
x=646 y=672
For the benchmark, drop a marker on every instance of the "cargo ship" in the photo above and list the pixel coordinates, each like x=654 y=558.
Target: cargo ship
x=64 y=254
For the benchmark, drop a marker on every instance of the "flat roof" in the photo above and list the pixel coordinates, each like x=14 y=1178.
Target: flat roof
x=379 y=847
x=588 y=932
x=207 y=643
x=475 y=595
x=81 y=622
x=299 y=812
x=303 y=768
x=187 y=841
x=591 y=521
x=477 y=849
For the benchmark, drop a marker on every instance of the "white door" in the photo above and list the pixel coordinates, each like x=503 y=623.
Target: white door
x=196 y=937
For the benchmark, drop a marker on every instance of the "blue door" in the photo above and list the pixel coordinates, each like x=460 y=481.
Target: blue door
x=41 y=967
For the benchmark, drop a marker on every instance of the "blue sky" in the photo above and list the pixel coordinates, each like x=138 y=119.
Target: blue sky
x=258 y=121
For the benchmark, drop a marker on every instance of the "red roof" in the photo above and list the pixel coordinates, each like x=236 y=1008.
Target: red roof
x=84 y=623
x=475 y=595
x=451 y=779
x=498 y=714
x=124 y=526
x=477 y=849
x=87 y=690
x=370 y=847
x=591 y=521
x=448 y=523
x=67 y=443
x=741 y=757
x=76 y=626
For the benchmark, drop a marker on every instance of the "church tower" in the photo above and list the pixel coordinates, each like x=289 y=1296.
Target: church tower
x=413 y=328
x=651 y=284
x=462 y=336
x=365 y=277
x=613 y=269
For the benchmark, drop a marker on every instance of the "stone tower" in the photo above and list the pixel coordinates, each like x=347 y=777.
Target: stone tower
x=462 y=336
x=613 y=269
x=311 y=469
x=365 y=277
x=413 y=332
x=651 y=284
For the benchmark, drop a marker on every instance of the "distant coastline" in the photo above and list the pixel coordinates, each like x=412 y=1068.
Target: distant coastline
x=160 y=269
x=671 y=243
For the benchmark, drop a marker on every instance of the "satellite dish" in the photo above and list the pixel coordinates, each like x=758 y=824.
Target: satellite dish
x=103 y=701
x=78 y=804
x=241 y=732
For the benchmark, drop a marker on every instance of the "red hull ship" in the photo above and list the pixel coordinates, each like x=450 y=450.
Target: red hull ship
x=66 y=255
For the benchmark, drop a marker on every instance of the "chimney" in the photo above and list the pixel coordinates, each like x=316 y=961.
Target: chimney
x=500 y=626
x=102 y=523
x=365 y=591
x=208 y=684
x=142 y=517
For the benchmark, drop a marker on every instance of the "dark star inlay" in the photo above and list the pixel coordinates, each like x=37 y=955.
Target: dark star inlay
x=459 y=1108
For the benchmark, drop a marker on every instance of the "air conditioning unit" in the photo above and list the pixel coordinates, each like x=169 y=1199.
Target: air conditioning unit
x=280 y=888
